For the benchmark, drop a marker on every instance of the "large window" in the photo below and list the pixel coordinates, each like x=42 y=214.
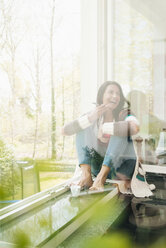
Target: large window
x=139 y=67
x=48 y=79
x=54 y=55
x=129 y=47
x=39 y=92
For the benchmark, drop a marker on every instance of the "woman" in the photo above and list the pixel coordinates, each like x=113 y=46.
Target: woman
x=103 y=141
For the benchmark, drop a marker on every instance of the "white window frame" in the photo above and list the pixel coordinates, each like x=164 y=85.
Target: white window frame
x=97 y=48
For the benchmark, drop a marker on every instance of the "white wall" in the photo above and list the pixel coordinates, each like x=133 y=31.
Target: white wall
x=97 y=53
x=88 y=53
x=160 y=78
x=97 y=48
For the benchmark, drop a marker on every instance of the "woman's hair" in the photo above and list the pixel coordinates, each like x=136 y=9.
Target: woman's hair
x=122 y=98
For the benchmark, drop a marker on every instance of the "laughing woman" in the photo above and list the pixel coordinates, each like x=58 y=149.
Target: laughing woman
x=103 y=138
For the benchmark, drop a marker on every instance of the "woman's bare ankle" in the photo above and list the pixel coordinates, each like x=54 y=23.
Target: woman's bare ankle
x=86 y=169
x=86 y=178
x=86 y=182
x=102 y=176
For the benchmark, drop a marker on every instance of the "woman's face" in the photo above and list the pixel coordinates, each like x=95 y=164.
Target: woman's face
x=111 y=96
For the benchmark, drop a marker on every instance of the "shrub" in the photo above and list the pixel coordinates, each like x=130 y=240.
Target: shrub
x=9 y=172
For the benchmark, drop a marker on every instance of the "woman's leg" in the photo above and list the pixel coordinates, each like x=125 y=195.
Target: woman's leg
x=125 y=173
x=119 y=152
x=86 y=177
x=85 y=142
x=101 y=178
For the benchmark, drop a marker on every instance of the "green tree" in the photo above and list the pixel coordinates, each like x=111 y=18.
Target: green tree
x=9 y=174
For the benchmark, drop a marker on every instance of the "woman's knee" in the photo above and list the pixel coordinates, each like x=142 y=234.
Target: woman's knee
x=118 y=139
x=83 y=134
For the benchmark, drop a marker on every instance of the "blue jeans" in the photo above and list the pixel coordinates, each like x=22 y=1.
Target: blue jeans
x=118 y=154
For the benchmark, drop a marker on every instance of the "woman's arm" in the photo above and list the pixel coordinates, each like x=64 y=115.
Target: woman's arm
x=128 y=127
x=76 y=125
x=84 y=121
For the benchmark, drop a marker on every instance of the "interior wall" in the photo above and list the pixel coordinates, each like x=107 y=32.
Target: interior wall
x=89 y=59
x=97 y=48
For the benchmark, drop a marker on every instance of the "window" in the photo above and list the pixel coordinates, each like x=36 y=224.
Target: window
x=40 y=90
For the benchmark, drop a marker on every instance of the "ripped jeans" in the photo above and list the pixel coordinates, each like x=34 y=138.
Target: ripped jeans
x=118 y=154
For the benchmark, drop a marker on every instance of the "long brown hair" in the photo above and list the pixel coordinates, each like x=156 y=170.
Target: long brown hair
x=122 y=98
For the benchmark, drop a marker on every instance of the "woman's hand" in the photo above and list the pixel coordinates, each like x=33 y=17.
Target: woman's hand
x=99 y=110
x=134 y=128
